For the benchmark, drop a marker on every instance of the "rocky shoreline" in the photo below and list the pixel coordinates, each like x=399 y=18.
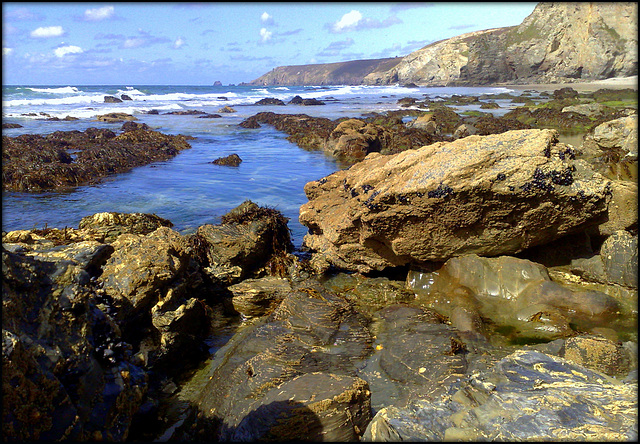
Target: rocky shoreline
x=466 y=278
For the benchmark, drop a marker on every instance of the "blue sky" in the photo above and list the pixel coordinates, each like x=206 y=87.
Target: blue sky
x=200 y=43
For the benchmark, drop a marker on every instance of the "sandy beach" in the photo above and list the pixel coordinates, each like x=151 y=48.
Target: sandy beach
x=612 y=83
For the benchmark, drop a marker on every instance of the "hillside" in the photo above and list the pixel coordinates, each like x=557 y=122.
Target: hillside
x=557 y=42
x=339 y=73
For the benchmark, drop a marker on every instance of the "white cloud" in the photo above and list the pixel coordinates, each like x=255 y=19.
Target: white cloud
x=178 y=43
x=64 y=50
x=349 y=20
x=48 y=31
x=7 y=51
x=98 y=13
x=265 y=17
x=265 y=35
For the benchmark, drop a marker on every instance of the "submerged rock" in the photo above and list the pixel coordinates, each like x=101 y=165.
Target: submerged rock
x=489 y=195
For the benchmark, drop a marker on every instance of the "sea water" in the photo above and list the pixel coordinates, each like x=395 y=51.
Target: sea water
x=188 y=189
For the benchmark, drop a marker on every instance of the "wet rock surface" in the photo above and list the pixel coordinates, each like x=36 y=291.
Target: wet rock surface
x=508 y=401
x=71 y=158
x=126 y=330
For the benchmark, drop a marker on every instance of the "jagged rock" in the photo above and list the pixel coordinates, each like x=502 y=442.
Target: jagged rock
x=226 y=109
x=489 y=195
x=125 y=97
x=251 y=241
x=619 y=254
x=110 y=225
x=464 y=130
x=297 y=100
x=66 y=370
x=314 y=407
x=416 y=355
x=507 y=403
x=612 y=148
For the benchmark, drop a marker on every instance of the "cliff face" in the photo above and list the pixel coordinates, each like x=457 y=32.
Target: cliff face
x=557 y=42
x=340 y=73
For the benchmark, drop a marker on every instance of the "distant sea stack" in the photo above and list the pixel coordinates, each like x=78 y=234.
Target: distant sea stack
x=559 y=42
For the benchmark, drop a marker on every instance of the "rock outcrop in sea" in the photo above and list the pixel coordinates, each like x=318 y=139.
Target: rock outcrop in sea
x=558 y=42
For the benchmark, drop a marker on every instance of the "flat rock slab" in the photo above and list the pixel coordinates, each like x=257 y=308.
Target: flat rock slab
x=527 y=396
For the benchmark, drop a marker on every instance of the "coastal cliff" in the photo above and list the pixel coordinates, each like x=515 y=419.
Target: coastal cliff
x=340 y=73
x=558 y=42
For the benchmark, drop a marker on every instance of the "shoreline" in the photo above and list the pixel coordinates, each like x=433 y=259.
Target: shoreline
x=588 y=86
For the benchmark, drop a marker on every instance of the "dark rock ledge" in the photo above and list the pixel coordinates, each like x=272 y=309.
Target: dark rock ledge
x=71 y=158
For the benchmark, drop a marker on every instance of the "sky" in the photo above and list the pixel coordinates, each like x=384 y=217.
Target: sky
x=137 y=43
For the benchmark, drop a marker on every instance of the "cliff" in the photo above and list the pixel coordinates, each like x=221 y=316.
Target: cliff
x=339 y=73
x=557 y=42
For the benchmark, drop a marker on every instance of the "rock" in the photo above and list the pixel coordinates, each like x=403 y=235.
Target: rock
x=304 y=352
x=115 y=117
x=37 y=163
x=111 y=99
x=188 y=112
x=516 y=295
x=11 y=125
x=354 y=139
x=210 y=116
x=464 y=130
x=506 y=403
x=230 y=160
x=132 y=126
x=490 y=195
x=619 y=254
x=153 y=283
x=588 y=109
x=217 y=83
x=297 y=100
x=425 y=122
x=110 y=225
x=258 y=297
x=270 y=101
x=66 y=368
x=226 y=109
x=251 y=241
x=599 y=354
x=125 y=97
x=613 y=148
x=314 y=406
x=416 y=356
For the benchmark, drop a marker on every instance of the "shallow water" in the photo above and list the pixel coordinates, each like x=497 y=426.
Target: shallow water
x=189 y=190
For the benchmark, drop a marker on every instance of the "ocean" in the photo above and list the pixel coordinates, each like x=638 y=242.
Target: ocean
x=188 y=190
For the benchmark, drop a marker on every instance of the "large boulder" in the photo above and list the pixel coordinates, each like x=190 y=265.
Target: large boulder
x=489 y=195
